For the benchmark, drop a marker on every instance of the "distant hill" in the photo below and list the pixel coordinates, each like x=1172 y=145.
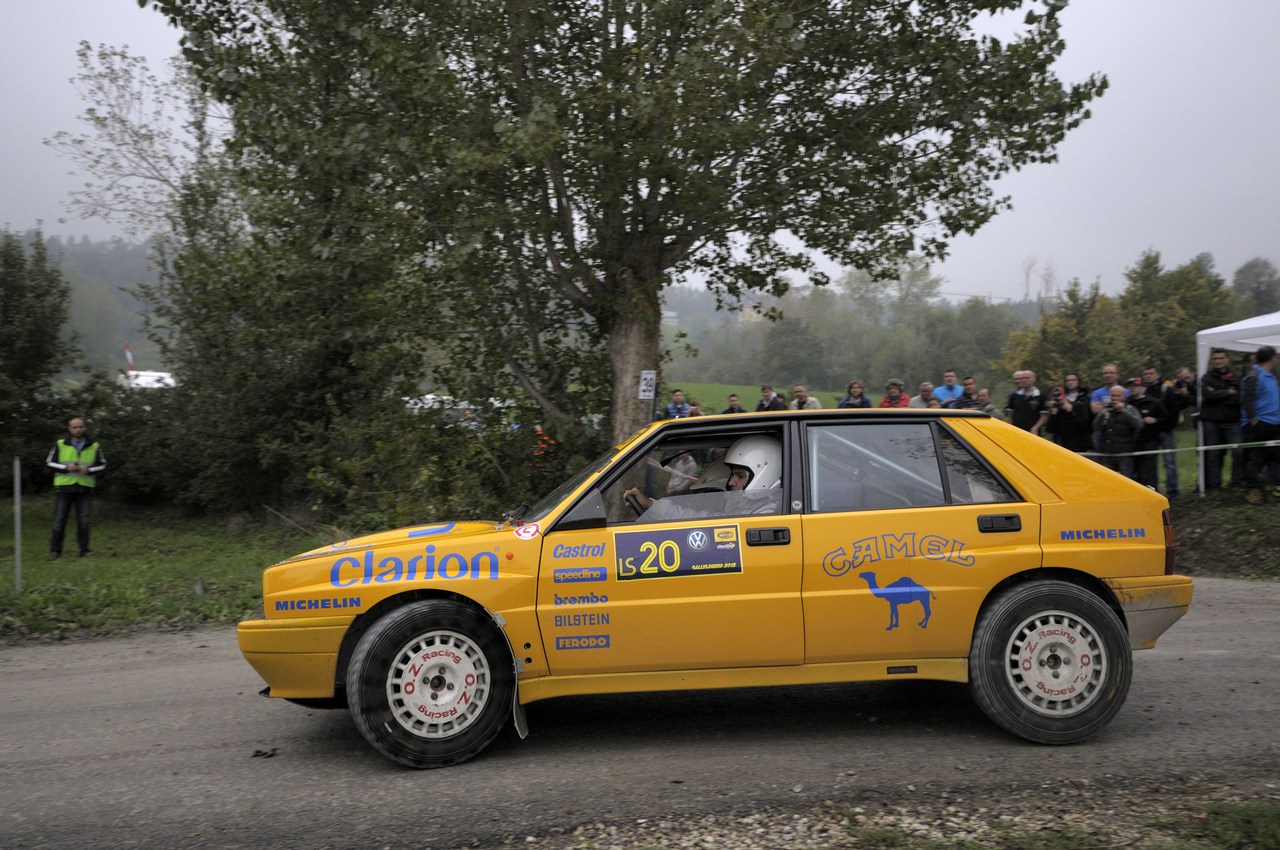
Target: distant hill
x=104 y=315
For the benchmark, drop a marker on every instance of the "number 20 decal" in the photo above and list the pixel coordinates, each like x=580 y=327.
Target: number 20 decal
x=711 y=550
x=666 y=553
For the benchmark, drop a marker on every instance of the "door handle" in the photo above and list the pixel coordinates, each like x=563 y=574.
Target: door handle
x=768 y=536
x=996 y=523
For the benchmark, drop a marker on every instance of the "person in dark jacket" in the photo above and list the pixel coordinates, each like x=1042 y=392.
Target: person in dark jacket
x=1155 y=423
x=1070 y=419
x=1175 y=397
x=1117 y=427
x=1260 y=415
x=1220 y=418
x=854 y=396
x=769 y=400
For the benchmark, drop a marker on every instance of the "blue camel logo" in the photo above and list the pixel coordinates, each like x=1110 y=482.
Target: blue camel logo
x=901 y=592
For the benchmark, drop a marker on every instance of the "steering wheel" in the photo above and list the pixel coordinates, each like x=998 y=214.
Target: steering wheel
x=634 y=503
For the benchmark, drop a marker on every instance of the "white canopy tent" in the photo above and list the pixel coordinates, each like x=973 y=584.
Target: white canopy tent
x=1244 y=335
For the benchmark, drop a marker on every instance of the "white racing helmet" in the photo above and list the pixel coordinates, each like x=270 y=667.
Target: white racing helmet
x=760 y=455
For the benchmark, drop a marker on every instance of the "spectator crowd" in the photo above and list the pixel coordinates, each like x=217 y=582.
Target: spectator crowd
x=1126 y=425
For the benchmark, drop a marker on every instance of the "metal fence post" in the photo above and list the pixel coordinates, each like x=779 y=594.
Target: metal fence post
x=17 y=525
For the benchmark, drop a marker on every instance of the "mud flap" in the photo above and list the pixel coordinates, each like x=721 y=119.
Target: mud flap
x=517 y=714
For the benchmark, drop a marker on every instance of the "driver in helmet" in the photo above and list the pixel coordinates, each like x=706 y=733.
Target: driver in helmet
x=755 y=481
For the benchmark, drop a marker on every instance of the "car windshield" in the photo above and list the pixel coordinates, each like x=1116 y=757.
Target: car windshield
x=556 y=496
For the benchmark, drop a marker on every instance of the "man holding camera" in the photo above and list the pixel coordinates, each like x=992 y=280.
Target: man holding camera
x=1117 y=426
x=1070 y=420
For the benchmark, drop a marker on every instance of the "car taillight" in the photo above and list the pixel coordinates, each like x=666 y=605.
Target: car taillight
x=1169 y=547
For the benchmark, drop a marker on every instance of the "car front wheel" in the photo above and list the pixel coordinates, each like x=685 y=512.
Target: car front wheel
x=1050 y=662
x=430 y=684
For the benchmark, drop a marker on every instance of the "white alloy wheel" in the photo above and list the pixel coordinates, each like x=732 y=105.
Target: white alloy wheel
x=431 y=684
x=1057 y=663
x=438 y=684
x=1050 y=661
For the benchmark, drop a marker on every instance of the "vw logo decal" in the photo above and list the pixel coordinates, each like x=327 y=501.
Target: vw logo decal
x=698 y=540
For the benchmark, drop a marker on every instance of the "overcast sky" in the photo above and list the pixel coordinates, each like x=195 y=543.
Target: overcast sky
x=1181 y=155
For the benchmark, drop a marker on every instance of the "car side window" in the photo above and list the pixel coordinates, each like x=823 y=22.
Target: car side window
x=873 y=466
x=970 y=480
x=686 y=477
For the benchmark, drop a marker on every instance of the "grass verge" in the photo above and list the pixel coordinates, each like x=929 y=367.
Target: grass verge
x=150 y=568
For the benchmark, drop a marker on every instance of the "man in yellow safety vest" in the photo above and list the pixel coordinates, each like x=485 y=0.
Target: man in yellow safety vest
x=75 y=460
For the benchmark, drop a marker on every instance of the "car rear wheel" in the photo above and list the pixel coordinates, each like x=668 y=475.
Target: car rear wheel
x=430 y=684
x=1050 y=662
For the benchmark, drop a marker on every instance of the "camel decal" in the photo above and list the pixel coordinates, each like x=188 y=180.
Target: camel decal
x=901 y=592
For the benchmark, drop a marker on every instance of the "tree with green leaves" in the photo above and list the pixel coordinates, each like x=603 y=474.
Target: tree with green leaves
x=34 y=301
x=1152 y=322
x=540 y=172
x=1257 y=283
x=135 y=147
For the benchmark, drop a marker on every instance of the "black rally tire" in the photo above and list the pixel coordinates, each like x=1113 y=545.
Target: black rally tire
x=431 y=684
x=1050 y=662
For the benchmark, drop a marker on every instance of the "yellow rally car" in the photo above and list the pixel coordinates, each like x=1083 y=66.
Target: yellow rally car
x=731 y=551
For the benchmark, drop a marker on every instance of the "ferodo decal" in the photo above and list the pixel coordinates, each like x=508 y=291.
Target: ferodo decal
x=709 y=550
x=583 y=642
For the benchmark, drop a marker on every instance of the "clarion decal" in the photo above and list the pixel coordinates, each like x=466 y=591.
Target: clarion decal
x=318 y=604
x=350 y=571
x=1103 y=533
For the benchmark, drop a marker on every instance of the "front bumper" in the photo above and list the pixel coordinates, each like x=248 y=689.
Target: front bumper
x=1151 y=604
x=297 y=658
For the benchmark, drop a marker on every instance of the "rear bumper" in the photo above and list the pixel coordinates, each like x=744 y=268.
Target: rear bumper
x=297 y=658
x=1151 y=604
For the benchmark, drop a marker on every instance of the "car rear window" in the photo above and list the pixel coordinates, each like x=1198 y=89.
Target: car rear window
x=883 y=466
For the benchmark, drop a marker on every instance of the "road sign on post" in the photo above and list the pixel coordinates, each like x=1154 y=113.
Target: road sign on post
x=648 y=384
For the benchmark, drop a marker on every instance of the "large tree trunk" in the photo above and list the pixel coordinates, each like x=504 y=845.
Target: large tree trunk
x=635 y=342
